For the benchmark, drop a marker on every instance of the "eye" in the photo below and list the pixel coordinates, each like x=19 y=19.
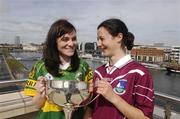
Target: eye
x=74 y=39
x=65 y=39
x=100 y=39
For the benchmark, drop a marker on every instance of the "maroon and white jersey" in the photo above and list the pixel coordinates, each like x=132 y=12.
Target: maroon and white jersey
x=131 y=81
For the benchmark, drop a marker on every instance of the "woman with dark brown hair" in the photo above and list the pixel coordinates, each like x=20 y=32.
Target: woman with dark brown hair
x=123 y=87
x=60 y=62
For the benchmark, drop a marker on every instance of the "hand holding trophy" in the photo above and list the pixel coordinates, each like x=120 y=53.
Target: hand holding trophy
x=69 y=94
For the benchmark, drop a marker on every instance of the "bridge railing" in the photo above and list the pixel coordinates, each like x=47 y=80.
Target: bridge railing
x=13 y=102
x=169 y=103
x=11 y=86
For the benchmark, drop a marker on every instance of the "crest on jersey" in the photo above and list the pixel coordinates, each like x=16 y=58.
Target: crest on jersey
x=48 y=76
x=120 y=87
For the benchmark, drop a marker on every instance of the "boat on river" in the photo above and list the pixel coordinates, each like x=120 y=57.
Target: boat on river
x=173 y=68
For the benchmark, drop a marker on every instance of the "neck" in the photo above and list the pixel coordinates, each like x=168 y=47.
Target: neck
x=113 y=59
x=64 y=59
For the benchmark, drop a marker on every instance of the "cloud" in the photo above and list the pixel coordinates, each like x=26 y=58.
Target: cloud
x=147 y=19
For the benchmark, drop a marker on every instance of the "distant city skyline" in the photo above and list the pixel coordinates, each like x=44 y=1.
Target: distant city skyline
x=152 y=21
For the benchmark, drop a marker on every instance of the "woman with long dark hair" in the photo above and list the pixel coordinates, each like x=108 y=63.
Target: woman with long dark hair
x=60 y=62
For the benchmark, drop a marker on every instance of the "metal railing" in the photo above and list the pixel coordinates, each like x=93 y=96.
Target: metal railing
x=169 y=100
x=9 y=86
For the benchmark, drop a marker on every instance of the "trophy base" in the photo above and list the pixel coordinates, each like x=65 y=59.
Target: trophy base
x=68 y=109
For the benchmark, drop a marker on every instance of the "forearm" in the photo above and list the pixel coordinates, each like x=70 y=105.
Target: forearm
x=40 y=97
x=38 y=100
x=128 y=110
x=88 y=113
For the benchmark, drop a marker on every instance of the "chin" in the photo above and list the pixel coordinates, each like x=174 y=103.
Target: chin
x=105 y=54
x=70 y=54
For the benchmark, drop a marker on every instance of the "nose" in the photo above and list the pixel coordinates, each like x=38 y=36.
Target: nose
x=71 y=43
x=99 y=43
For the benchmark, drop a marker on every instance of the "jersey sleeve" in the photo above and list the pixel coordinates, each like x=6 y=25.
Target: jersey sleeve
x=95 y=78
x=87 y=72
x=29 y=89
x=89 y=75
x=144 y=94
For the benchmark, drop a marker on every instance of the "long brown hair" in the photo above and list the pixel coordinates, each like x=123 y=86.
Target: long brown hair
x=50 y=50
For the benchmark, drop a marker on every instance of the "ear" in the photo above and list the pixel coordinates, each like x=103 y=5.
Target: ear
x=119 y=37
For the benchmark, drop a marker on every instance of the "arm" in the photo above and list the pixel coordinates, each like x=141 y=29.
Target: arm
x=40 y=97
x=131 y=112
x=38 y=100
x=88 y=113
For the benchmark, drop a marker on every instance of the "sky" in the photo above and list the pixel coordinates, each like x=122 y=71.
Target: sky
x=151 y=21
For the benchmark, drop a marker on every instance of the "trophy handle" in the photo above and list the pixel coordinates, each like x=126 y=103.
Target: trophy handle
x=90 y=100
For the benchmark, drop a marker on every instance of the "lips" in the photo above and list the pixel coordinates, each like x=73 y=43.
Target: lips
x=103 y=49
x=70 y=50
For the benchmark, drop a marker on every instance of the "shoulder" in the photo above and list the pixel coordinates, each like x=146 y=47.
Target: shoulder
x=100 y=71
x=137 y=65
x=37 y=69
x=39 y=62
x=102 y=67
x=82 y=60
x=142 y=74
x=135 y=69
x=83 y=63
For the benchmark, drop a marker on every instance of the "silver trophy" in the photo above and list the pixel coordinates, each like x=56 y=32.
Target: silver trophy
x=69 y=94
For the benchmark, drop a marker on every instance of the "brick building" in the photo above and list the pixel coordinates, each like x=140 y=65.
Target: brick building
x=148 y=54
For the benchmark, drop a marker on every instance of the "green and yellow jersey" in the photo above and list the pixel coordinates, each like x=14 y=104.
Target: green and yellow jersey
x=49 y=110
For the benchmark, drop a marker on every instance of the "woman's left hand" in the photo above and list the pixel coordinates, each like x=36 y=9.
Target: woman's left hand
x=105 y=89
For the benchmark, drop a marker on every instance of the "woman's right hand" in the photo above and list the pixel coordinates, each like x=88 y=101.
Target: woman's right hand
x=91 y=87
x=40 y=86
x=40 y=97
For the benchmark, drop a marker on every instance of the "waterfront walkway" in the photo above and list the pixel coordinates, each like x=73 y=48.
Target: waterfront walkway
x=5 y=73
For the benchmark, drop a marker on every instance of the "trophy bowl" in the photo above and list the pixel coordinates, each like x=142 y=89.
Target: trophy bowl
x=69 y=94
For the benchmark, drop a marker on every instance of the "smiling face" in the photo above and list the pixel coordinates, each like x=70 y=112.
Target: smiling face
x=66 y=45
x=107 y=43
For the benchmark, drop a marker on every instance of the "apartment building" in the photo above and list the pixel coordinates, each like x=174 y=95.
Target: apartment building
x=175 y=54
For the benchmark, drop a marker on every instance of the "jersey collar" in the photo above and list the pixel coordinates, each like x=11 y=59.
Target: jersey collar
x=123 y=61
x=64 y=66
x=120 y=63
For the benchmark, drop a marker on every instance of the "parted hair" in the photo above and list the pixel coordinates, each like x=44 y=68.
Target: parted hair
x=116 y=26
x=50 y=50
